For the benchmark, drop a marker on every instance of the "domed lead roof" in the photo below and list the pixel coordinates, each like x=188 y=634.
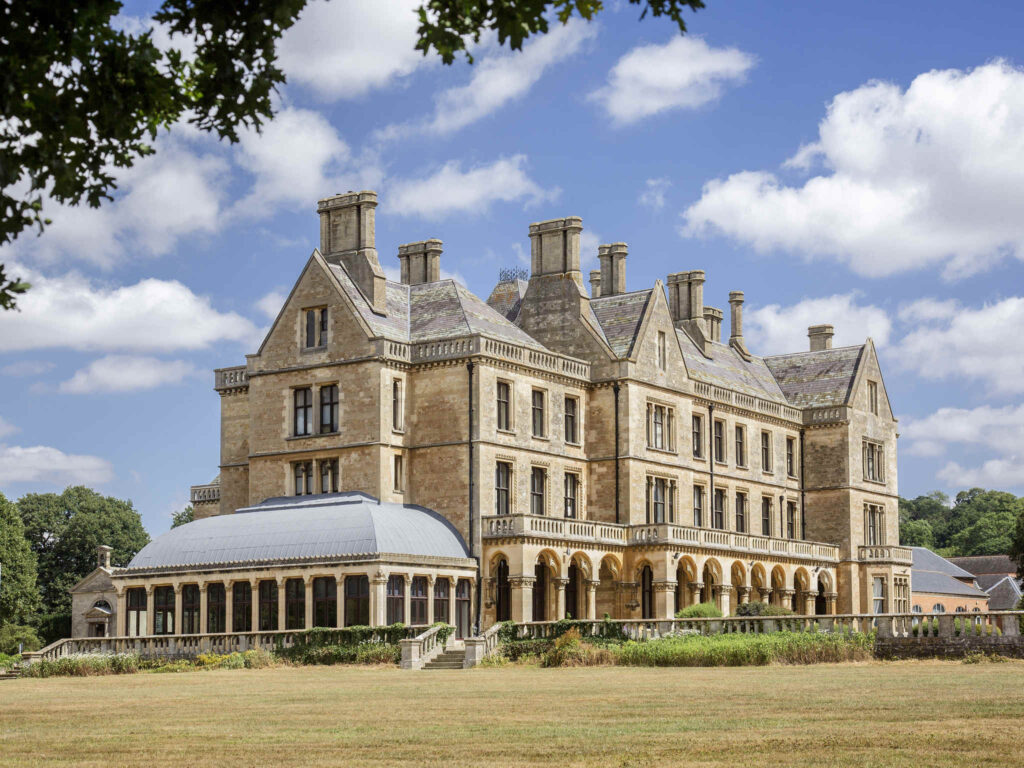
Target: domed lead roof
x=294 y=528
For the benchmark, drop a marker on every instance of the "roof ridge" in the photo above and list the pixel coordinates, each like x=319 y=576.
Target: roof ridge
x=816 y=351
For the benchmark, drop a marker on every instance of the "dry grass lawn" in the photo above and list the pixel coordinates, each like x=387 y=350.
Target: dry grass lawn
x=920 y=714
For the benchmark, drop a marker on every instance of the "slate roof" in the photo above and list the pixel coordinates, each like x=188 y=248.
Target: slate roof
x=816 y=379
x=727 y=369
x=431 y=311
x=1004 y=594
x=296 y=529
x=933 y=574
x=619 y=318
x=507 y=298
x=979 y=564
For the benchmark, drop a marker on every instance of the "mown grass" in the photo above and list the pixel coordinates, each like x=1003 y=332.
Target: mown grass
x=867 y=714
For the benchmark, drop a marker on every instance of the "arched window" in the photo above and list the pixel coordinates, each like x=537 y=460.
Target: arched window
x=396 y=599
x=418 y=601
x=268 y=606
x=938 y=608
x=163 y=611
x=917 y=609
x=572 y=592
x=215 y=621
x=325 y=602
x=463 y=611
x=103 y=605
x=503 y=598
x=241 y=607
x=136 y=618
x=442 y=594
x=540 y=592
x=976 y=610
x=647 y=593
x=294 y=604
x=190 y=610
x=961 y=609
x=357 y=601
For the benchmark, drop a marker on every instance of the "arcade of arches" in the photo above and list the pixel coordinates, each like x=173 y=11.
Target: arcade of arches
x=543 y=584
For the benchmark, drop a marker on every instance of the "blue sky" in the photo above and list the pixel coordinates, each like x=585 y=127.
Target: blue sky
x=859 y=164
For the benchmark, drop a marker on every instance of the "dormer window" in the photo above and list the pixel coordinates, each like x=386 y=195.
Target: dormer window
x=316 y=328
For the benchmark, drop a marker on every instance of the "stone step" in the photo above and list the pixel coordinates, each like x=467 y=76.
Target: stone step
x=443 y=665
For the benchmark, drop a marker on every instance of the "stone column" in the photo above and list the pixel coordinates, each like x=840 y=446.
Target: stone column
x=378 y=602
x=339 y=605
x=281 y=623
x=254 y=594
x=560 y=585
x=122 y=612
x=150 y=618
x=229 y=605
x=809 y=599
x=204 y=607
x=522 y=598
x=723 y=598
x=695 y=590
x=177 y=609
x=766 y=594
x=830 y=602
x=450 y=619
x=592 y=585
x=744 y=594
x=786 y=597
x=664 y=599
x=407 y=600
x=430 y=599
x=308 y=583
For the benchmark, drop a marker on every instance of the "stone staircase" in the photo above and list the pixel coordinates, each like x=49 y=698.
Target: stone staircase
x=452 y=658
x=10 y=674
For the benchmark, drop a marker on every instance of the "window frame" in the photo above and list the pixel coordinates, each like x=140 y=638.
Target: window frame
x=791 y=456
x=325 y=601
x=302 y=477
x=357 y=600
x=697 y=429
x=268 y=608
x=503 y=413
x=419 y=600
x=329 y=472
x=398 y=472
x=740 y=513
x=538 y=413
x=740 y=439
x=163 y=610
x=216 y=608
x=718 y=509
x=766 y=516
x=572 y=420
x=767 y=459
x=241 y=607
x=397 y=405
x=874 y=460
x=873 y=397
x=503 y=493
x=718 y=441
x=302 y=412
x=395 y=599
x=661 y=356
x=329 y=409
x=190 y=604
x=698 y=506
x=571 y=485
x=294 y=604
x=538 y=491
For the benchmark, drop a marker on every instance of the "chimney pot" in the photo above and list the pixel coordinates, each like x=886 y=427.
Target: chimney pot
x=613 y=268
x=347 y=238
x=736 y=305
x=103 y=556
x=820 y=337
x=420 y=262
x=555 y=246
x=713 y=322
x=595 y=283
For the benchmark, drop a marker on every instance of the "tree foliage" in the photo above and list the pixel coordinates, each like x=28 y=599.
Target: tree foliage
x=447 y=26
x=64 y=531
x=187 y=515
x=19 y=596
x=976 y=522
x=81 y=96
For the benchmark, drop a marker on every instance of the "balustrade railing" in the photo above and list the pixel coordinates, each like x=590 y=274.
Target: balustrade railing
x=417 y=651
x=231 y=378
x=886 y=553
x=478 y=648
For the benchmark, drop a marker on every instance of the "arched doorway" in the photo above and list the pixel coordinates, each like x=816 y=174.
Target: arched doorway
x=572 y=592
x=710 y=579
x=646 y=592
x=820 y=602
x=540 y=591
x=503 y=593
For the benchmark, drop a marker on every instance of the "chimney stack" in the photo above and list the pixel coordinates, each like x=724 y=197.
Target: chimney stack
x=697 y=294
x=595 y=283
x=103 y=556
x=613 y=268
x=679 y=296
x=555 y=246
x=347 y=238
x=821 y=337
x=420 y=262
x=713 y=323
x=736 y=332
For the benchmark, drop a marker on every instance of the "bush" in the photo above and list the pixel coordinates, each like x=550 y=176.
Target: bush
x=257 y=658
x=700 y=611
x=7 y=661
x=11 y=635
x=758 y=608
x=364 y=653
x=85 y=665
x=735 y=650
x=378 y=653
x=518 y=650
x=570 y=651
x=353 y=636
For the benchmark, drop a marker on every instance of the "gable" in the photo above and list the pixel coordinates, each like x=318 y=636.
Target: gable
x=619 y=317
x=869 y=369
x=97 y=581
x=656 y=319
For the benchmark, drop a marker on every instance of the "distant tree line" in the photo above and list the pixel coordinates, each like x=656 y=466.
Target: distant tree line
x=47 y=544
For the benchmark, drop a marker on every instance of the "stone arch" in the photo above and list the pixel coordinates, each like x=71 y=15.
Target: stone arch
x=545 y=571
x=577 y=574
x=609 y=572
x=738 y=578
x=802 y=590
x=613 y=564
x=711 y=576
x=759 y=582
x=686 y=574
x=583 y=562
x=779 y=582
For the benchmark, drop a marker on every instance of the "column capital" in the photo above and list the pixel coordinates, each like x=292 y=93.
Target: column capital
x=561 y=583
x=149 y=589
x=177 y=588
x=254 y=582
x=519 y=582
x=665 y=586
x=593 y=583
x=787 y=592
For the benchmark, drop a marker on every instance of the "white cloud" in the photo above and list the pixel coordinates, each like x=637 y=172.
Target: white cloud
x=296 y=159
x=124 y=373
x=998 y=429
x=653 y=195
x=345 y=49
x=927 y=176
x=685 y=73
x=42 y=464
x=161 y=198
x=151 y=315
x=994 y=473
x=6 y=428
x=270 y=304
x=27 y=368
x=589 y=242
x=497 y=80
x=774 y=329
x=984 y=345
x=453 y=190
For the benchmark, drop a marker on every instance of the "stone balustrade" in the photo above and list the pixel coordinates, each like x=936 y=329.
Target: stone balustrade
x=477 y=648
x=589 y=531
x=226 y=379
x=886 y=553
x=205 y=493
x=417 y=651
x=729 y=397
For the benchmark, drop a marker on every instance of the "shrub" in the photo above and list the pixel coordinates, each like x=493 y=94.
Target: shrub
x=758 y=608
x=517 y=650
x=257 y=658
x=6 y=661
x=741 y=650
x=700 y=611
x=378 y=653
x=570 y=651
x=84 y=665
x=353 y=636
x=11 y=635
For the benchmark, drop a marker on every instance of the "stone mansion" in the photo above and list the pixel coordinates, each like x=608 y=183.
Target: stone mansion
x=406 y=451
